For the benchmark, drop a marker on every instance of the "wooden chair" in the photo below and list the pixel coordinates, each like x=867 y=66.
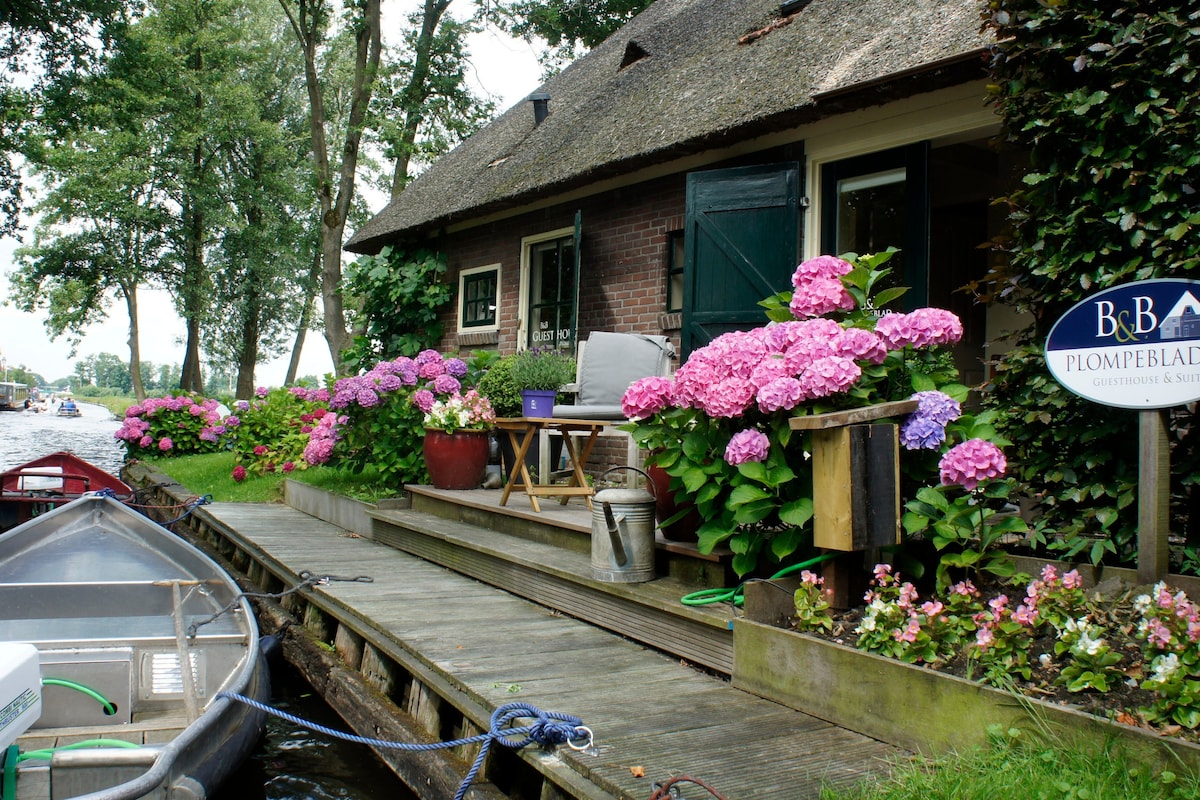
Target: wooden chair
x=605 y=366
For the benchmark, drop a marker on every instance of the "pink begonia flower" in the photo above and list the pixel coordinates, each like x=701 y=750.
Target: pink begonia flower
x=819 y=296
x=747 y=445
x=647 y=396
x=909 y=632
x=830 y=375
x=920 y=328
x=1072 y=580
x=984 y=638
x=969 y=463
x=821 y=267
x=781 y=394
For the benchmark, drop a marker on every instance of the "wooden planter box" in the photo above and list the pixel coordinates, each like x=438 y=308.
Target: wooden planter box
x=913 y=707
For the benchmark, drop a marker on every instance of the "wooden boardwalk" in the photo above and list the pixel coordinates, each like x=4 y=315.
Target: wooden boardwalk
x=651 y=714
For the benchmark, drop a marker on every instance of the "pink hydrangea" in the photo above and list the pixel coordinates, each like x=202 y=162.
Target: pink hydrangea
x=972 y=461
x=747 y=445
x=860 y=345
x=728 y=398
x=821 y=267
x=830 y=375
x=781 y=394
x=647 y=396
x=239 y=473
x=165 y=444
x=424 y=400
x=920 y=328
x=819 y=296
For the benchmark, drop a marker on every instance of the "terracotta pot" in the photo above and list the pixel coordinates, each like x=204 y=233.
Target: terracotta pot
x=456 y=460
x=683 y=529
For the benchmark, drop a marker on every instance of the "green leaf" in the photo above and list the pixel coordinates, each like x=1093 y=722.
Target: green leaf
x=754 y=470
x=932 y=496
x=747 y=493
x=797 y=513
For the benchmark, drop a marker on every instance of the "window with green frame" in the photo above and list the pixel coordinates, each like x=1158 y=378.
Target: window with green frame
x=478 y=297
x=552 y=294
x=675 y=271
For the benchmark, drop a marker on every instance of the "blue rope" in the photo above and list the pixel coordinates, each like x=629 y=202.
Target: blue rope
x=189 y=508
x=550 y=728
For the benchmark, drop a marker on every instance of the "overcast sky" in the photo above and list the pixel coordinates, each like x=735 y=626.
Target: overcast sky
x=504 y=68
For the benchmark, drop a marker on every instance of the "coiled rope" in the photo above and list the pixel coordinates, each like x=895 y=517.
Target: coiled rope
x=307 y=578
x=549 y=728
x=736 y=595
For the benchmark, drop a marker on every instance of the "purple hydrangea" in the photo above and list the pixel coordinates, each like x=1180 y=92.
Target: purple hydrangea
x=747 y=445
x=925 y=428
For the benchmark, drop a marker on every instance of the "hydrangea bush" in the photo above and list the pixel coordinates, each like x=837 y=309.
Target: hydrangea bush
x=378 y=419
x=172 y=426
x=720 y=426
x=273 y=431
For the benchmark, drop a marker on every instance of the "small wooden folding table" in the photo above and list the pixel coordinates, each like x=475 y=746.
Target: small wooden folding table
x=523 y=431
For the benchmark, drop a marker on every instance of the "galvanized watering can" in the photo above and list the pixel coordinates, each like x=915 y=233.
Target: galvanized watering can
x=623 y=533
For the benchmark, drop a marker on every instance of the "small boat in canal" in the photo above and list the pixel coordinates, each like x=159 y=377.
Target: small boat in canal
x=99 y=608
x=38 y=486
x=68 y=408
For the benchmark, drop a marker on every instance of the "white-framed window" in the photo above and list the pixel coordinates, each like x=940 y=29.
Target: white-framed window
x=479 y=299
x=548 y=286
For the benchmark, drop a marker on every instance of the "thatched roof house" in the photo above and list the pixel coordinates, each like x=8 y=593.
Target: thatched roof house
x=674 y=176
x=686 y=77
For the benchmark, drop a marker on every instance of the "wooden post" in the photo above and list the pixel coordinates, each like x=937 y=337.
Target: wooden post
x=1154 y=496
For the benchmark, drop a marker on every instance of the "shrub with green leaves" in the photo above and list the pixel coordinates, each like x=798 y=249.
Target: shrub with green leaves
x=172 y=426
x=1104 y=97
x=270 y=432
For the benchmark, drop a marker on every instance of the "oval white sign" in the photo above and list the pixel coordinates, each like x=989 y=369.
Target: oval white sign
x=1131 y=346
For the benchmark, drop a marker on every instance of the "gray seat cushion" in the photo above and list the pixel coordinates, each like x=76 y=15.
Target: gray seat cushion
x=611 y=362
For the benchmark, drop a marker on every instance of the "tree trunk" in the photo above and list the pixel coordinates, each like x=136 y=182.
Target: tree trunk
x=135 y=350
x=416 y=92
x=248 y=356
x=306 y=310
x=334 y=209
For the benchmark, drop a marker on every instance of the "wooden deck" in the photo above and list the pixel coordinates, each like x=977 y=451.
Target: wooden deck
x=451 y=615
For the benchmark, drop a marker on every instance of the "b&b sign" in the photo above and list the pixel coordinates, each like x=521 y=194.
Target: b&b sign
x=1131 y=346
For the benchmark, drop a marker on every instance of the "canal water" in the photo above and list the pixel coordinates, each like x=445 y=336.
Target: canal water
x=291 y=762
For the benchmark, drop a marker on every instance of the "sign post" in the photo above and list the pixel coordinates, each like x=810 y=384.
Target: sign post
x=1136 y=346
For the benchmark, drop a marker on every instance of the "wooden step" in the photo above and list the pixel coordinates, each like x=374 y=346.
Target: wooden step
x=561 y=578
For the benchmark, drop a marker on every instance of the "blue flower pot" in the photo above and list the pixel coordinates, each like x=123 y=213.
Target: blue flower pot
x=537 y=402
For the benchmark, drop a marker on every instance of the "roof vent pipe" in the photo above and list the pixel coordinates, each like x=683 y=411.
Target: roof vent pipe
x=541 y=107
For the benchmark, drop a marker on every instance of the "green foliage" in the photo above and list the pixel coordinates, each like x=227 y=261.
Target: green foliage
x=1105 y=98
x=272 y=431
x=1019 y=765
x=569 y=27
x=542 y=368
x=498 y=386
x=401 y=298
x=387 y=437
x=969 y=528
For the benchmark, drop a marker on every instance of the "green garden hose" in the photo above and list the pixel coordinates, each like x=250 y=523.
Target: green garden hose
x=109 y=708
x=47 y=752
x=8 y=790
x=736 y=595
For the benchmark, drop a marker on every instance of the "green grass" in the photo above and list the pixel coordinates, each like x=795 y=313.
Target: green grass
x=212 y=473
x=1016 y=768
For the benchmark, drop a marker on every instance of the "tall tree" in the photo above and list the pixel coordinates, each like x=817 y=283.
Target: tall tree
x=311 y=26
x=39 y=40
x=423 y=106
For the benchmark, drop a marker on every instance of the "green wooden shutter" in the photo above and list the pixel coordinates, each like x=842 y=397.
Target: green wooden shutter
x=740 y=246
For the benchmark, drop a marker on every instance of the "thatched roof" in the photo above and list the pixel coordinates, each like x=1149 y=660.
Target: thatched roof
x=683 y=77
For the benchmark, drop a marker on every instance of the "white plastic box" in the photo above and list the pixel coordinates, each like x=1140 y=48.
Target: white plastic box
x=20 y=690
